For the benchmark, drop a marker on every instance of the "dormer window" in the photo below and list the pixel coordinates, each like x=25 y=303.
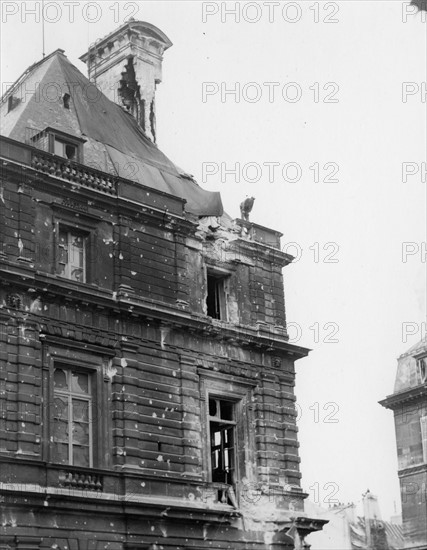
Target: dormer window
x=65 y=150
x=59 y=143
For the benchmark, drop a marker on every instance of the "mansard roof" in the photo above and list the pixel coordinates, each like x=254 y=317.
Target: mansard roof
x=114 y=141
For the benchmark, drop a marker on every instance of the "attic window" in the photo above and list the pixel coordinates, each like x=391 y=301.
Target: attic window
x=64 y=145
x=65 y=150
x=66 y=99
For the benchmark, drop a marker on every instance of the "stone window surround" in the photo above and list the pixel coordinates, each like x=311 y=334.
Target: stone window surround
x=230 y=388
x=95 y=361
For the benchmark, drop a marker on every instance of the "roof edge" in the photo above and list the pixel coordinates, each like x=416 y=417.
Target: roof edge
x=27 y=71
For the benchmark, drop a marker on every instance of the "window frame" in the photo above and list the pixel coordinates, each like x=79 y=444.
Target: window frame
x=62 y=227
x=221 y=277
x=91 y=399
x=65 y=144
x=85 y=224
x=229 y=388
x=53 y=135
x=66 y=139
x=94 y=361
x=232 y=425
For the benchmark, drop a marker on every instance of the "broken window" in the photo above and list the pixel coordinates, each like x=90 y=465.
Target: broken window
x=72 y=428
x=72 y=248
x=222 y=426
x=223 y=451
x=216 y=305
x=228 y=441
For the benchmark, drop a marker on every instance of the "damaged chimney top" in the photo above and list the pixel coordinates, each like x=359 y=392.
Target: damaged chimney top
x=126 y=66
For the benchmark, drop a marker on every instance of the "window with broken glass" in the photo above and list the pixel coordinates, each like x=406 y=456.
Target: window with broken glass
x=72 y=250
x=222 y=427
x=72 y=428
x=228 y=440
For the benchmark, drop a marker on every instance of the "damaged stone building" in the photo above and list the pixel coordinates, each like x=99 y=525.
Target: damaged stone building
x=409 y=405
x=147 y=380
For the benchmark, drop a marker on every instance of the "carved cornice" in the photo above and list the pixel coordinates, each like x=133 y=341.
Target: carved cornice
x=394 y=401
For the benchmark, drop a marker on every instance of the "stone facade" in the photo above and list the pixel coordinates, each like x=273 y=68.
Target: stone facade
x=146 y=381
x=409 y=404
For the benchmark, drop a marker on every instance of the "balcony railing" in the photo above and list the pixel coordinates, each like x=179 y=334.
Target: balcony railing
x=81 y=480
x=72 y=171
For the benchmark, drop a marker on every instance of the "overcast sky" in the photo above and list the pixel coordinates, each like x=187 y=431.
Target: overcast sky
x=318 y=85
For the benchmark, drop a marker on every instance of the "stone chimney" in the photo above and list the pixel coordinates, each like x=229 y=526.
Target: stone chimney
x=126 y=66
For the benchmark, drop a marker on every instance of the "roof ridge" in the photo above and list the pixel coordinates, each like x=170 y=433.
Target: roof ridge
x=27 y=71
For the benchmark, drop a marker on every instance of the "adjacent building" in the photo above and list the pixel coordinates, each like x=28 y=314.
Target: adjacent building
x=349 y=530
x=409 y=404
x=146 y=380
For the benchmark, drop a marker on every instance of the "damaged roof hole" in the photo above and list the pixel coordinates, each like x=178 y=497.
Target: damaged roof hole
x=66 y=100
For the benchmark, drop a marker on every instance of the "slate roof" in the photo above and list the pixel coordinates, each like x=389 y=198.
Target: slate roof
x=114 y=141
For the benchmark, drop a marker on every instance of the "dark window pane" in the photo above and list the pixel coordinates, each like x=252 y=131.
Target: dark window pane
x=212 y=298
x=212 y=407
x=60 y=378
x=227 y=410
x=70 y=151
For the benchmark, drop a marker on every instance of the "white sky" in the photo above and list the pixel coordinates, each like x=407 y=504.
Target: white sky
x=369 y=292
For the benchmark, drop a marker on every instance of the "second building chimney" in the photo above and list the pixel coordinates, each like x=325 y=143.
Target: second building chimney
x=126 y=66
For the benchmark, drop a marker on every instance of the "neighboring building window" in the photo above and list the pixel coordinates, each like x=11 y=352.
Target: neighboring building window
x=422 y=369
x=72 y=435
x=222 y=428
x=72 y=250
x=216 y=304
x=423 y=422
